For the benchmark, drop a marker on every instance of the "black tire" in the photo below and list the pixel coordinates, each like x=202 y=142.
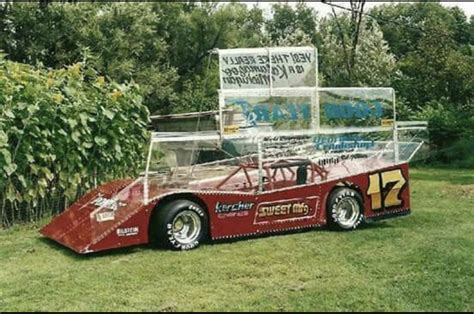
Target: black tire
x=344 y=208
x=182 y=213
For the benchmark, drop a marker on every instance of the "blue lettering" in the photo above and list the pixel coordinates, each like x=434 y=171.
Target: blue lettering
x=343 y=142
x=347 y=110
x=378 y=109
x=305 y=111
x=277 y=113
x=293 y=112
x=263 y=112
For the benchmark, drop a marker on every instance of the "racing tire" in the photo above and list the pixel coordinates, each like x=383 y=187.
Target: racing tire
x=345 y=210
x=179 y=225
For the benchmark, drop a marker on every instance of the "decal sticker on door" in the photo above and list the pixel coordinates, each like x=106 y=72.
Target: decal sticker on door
x=385 y=188
x=286 y=210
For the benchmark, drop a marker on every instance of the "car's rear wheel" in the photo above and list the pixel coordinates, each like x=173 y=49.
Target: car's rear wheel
x=179 y=225
x=344 y=209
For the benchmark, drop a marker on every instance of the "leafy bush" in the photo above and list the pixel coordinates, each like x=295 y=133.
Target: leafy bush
x=451 y=133
x=61 y=131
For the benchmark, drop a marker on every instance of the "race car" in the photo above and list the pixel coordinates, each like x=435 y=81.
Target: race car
x=286 y=155
x=182 y=206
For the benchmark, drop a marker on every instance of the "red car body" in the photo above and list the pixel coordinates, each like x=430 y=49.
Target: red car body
x=234 y=205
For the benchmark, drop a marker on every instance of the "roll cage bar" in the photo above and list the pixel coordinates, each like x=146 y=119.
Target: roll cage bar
x=282 y=166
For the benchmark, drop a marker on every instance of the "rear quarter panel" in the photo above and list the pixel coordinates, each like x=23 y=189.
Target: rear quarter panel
x=385 y=191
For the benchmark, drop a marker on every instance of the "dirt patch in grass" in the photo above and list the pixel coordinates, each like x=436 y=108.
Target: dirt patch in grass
x=463 y=191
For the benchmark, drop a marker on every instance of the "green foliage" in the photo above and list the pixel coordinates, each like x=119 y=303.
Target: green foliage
x=62 y=129
x=374 y=64
x=405 y=24
x=161 y=46
x=191 y=32
x=432 y=45
x=119 y=41
x=451 y=133
x=288 y=21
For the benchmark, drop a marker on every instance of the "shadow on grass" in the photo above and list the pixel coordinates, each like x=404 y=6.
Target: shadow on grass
x=324 y=229
x=134 y=249
x=374 y=225
x=107 y=253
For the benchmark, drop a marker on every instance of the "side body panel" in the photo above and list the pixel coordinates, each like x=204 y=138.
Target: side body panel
x=231 y=214
x=305 y=206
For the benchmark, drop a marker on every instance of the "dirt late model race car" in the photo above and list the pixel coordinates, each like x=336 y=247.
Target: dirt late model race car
x=286 y=155
x=296 y=194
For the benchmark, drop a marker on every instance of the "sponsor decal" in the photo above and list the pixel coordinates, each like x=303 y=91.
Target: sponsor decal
x=127 y=232
x=387 y=122
x=231 y=129
x=286 y=210
x=234 y=207
x=240 y=209
x=233 y=214
x=252 y=70
x=105 y=216
x=272 y=112
x=107 y=203
x=346 y=142
x=350 y=110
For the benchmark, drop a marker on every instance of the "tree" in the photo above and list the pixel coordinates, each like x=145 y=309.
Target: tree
x=349 y=43
x=471 y=31
x=435 y=65
x=119 y=40
x=431 y=43
x=373 y=63
x=405 y=24
x=192 y=33
x=300 y=22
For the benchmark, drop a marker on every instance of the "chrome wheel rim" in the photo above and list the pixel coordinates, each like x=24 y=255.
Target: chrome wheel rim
x=186 y=227
x=347 y=212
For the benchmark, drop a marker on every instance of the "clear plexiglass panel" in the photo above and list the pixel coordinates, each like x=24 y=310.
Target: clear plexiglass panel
x=357 y=107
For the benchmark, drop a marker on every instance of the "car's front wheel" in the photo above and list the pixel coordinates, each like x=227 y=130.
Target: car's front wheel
x=179 y=225
x=344 y=209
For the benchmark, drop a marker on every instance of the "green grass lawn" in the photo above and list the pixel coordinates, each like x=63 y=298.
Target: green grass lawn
x=420 y=262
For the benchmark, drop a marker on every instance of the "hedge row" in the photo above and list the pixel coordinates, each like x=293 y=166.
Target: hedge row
x=61 y=131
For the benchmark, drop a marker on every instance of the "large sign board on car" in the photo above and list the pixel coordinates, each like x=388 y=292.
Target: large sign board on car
x=275 y=90
x=267 y=89
x=264 y=68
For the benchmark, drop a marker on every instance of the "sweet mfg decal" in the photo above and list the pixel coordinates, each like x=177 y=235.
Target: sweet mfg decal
x=293 y=209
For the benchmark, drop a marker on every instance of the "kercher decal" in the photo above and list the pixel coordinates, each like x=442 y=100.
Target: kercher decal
x=235 y=209
x=294 y=209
